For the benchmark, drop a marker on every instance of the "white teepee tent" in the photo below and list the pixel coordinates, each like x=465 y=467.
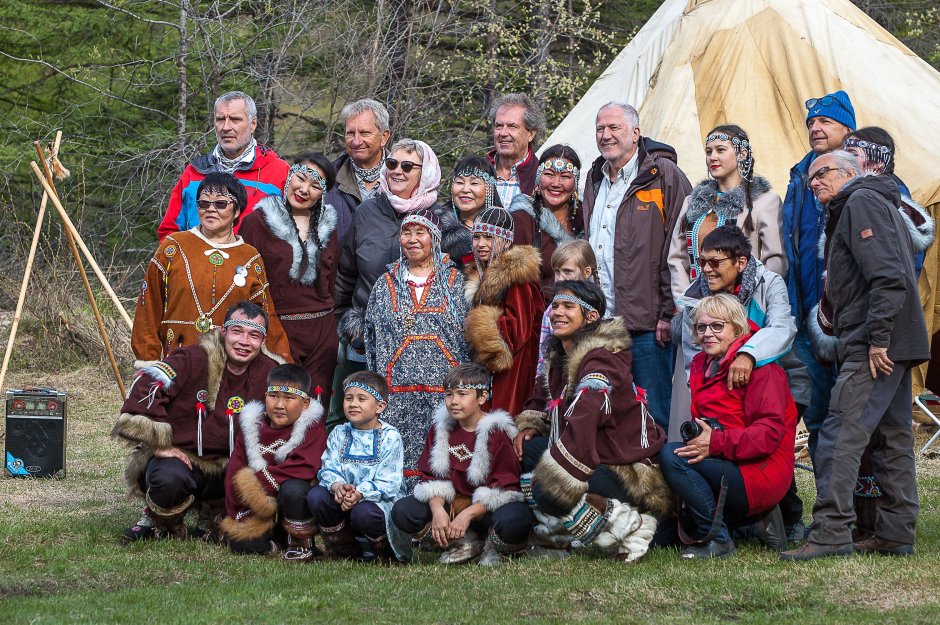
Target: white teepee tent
x=700 y=63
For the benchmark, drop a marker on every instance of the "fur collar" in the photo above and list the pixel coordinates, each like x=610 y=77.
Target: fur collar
x=211 y=343
x=479 y=469
x=281 y=225
x=251 y=418
x=704 y=198
x=517 y=265
x=609 y=334
x=547 y=222
x=918 y=221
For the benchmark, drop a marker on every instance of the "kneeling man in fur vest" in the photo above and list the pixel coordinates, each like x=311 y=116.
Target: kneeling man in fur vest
x=181 y=415
x=274 y=466
x=587 y=443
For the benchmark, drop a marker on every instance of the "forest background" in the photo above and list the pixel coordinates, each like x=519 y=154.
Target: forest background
x=131 y=83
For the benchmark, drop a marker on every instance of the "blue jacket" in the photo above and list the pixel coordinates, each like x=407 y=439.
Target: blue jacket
x=803 y=223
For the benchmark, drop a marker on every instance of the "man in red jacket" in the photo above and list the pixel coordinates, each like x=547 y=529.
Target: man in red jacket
x=237 y=152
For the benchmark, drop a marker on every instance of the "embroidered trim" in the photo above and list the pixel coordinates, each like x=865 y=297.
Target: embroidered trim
x=247 y=324
x=492 y=230
x=368 y=459
x=304 y=316
x=580 y=466
x=573 y=298
x=274 y=388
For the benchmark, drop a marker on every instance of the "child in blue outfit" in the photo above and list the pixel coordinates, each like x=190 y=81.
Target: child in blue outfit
x=361 y=476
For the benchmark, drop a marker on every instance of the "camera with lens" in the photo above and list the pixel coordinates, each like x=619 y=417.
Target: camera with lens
x=690 y=429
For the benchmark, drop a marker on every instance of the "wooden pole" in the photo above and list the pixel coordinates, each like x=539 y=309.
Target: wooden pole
x=29 y=268
x=50 y=190
x=70 y=227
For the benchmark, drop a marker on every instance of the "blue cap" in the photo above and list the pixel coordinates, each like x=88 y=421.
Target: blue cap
x=836 y=106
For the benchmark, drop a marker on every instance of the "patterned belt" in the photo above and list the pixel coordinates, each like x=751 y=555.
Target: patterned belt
x=304 y=316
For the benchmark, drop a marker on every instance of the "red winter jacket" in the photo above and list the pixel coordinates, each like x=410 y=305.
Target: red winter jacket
x=760 y=424
x=264 y=176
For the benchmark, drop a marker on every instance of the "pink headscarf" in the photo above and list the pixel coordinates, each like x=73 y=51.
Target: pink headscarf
x=426 y=193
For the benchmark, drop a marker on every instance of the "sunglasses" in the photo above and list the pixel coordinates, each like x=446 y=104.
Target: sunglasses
x=714 y=263
x=822 y=171
x=219 y=205
x=392 y=164
x=715 y=326
x=825 y=101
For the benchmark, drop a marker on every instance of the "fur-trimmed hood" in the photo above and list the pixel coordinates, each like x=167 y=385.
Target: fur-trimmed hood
x=918 y=221
x=479 y=469
x=547 y=222
x=251 y=418
x=705 y=198
x=517 y=265
x=306 y=259
x=609 y=334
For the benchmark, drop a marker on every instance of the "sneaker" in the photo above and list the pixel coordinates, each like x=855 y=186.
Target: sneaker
x=770 y=530
x=884 y=547
x=142 y=530
x=711 y=549
x=811 y=551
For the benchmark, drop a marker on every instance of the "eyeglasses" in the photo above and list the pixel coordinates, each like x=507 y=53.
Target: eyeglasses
x=715 y=326
x=825 y=101
x=219 y=205
x=822 y=171
x=392 y=164
x=714 y=263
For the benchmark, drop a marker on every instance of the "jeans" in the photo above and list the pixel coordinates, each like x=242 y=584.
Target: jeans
x=511 y=521
x=652 y=371
x=365 y=518
x=822 y=379
x=698 y=485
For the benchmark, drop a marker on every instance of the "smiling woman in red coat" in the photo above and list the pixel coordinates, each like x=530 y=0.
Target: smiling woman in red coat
x=505 y=293
x=739 y=439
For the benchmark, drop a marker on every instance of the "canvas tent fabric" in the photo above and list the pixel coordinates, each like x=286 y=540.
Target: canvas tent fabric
x=700 y=63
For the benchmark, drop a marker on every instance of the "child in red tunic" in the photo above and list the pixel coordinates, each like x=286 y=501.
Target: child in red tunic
x=276 y=459
x=469 y=484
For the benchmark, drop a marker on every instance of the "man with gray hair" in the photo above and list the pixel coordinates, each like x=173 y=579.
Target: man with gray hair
x=257 y=167
x=365 y=134
x=632 y=199
x=518 y=126
x=870 y=303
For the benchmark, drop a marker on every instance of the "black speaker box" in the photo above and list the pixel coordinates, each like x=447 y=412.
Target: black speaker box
x=35 y=433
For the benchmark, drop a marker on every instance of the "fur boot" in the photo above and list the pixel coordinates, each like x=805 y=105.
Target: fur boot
x=339 y=543
x=463 y=549
x=300 y=545
x=383 y=550
x=211 y=514
x=496 y=551
x=169 y=522
x=588 y=518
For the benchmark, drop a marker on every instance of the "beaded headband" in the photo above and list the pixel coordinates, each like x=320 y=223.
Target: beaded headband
x=368 y=389
x=300 y=168
x=577 y=300
x=560 y=165
x=247 y=324
x=472 y=387
x=745 y=164
x=421 y=220
x=476 y=172
x=493 y=230
x=866 y=145
x=277 y=388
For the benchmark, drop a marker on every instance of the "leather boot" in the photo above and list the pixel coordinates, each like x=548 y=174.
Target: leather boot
x=300 y=545
x=169 y=522
x=383 y=550
x=339 y=543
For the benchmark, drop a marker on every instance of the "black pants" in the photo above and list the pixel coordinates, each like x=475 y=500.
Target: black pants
x=365 y=518
x=602 y=482
x=291 y=504
x=511 y=521
x=169 y=482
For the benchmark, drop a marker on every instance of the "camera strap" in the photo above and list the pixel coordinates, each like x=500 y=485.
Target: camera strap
x=716 y=520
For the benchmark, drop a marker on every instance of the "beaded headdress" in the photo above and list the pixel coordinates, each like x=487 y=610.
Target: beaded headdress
x=567 y=297
x=279 y=388
x=560 y=165
x=498 y=223
x=247 y=324
x=301 y=168
x=368 y=389
x=488 y=181
x=875 y=153
x=743 y=149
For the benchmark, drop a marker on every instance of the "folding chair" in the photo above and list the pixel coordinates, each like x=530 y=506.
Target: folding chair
x=922 y=401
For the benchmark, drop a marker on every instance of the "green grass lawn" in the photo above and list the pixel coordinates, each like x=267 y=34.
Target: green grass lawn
x=61 y=562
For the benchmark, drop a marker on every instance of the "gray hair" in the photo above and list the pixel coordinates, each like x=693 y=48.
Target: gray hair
x=846 y=161
x=251 y=109
x=379 y=112
x=533 y=118
x=408 y=145
x=629 y=113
